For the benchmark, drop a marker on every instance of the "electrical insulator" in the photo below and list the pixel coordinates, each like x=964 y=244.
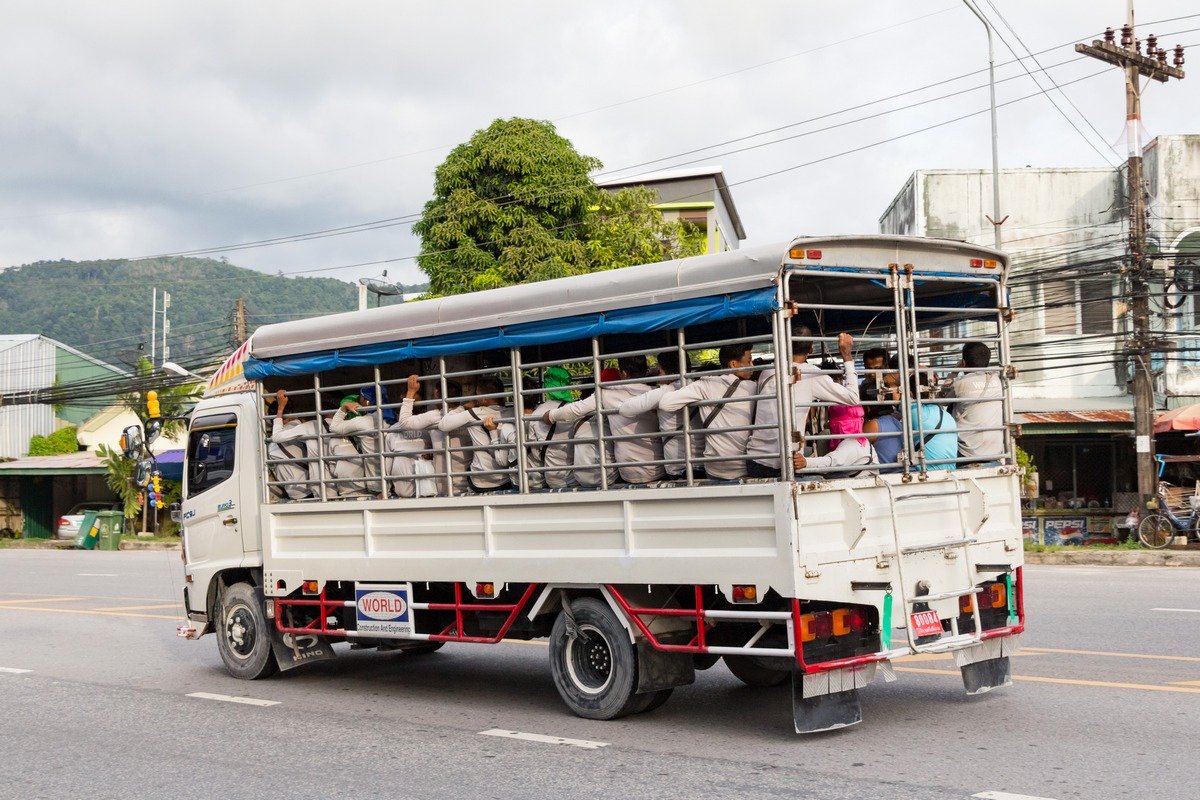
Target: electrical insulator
x=1179 y=55
x=1137 y=46
x=1151 y=44
x=1162 y=56
x=1126 y=36
x=1109 y=35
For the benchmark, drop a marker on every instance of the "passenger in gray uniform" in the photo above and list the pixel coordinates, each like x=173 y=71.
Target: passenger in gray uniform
x=417 y=437
x=494 y=435
x=549 y=442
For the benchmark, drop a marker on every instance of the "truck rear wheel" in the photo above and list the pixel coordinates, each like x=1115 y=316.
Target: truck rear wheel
x=243 y=636
x=750 y=671
x=595 y=671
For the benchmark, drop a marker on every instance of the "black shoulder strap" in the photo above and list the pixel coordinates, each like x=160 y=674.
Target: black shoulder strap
x=704 y=423
x=553 y=426
x=936 y=428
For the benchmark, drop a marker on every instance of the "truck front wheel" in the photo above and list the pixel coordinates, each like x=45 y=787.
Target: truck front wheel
x=243 y=636
x=593 y=662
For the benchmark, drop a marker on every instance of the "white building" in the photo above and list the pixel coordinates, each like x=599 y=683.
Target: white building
x=698 y=197
x=1067 y=231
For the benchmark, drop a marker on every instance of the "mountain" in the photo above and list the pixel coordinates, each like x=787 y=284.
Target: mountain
x=104 y=308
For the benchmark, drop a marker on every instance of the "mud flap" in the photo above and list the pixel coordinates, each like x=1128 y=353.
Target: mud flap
x=659 y=670
x=293 y=649
x=983 y=676
x=823 y=712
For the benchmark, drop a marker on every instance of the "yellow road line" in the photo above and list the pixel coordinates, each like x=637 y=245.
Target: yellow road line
x=91 y=611
x=1185 y=683
x=1113 y=655
x=1066 y=681
x=140 y=608
x=44 y=600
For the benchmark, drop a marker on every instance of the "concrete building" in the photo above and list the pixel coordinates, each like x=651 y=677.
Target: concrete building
x=1067 y=232
x=698 y=197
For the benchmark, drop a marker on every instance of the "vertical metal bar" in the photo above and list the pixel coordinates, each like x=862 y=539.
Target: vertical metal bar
x=519 y=419
x=785 y=402
x=323 y=471
x=601 y=456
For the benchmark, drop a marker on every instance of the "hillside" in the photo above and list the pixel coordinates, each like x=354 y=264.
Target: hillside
x=104 y=307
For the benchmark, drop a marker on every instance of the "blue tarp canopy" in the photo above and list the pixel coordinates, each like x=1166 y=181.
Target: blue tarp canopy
x=643 y=319
x=170 y=464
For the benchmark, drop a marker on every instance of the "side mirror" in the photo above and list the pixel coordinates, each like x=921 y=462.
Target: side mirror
x=131 y=442
x=175 y=512
x=153 y=429
x=142 y=474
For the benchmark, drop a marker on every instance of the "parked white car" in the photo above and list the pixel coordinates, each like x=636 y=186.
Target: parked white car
x=68 y=524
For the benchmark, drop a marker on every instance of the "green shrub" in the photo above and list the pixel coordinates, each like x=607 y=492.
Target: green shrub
x=60 y=442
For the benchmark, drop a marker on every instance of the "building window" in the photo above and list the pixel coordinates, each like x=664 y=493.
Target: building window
x=1078 y=306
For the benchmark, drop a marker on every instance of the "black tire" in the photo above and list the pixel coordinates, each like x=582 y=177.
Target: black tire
x=1155 y=531
x=419 y=648
x=750 y=671
x=243 y=635
x=704 y=660
x=596 y=672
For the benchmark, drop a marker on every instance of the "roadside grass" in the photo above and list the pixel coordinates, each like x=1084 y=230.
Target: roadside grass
x=1128 y=544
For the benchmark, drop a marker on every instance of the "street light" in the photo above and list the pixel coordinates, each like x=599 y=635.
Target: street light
x=995 y=218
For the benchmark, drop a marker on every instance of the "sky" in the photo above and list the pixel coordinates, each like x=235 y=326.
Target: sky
x=298 y=137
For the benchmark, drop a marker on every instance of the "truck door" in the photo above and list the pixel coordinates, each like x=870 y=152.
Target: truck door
x=212 y=498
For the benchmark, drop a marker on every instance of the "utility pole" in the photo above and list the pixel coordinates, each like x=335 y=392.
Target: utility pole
x=239 y=322
x=1141 y=345
x=166 y=326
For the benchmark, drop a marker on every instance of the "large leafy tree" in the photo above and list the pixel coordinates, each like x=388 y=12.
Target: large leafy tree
x=515 y=204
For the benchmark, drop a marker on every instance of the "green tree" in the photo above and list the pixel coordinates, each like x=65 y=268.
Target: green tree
x=515 y=204
x=509 y=206
x=120 y=478
x=625 y=229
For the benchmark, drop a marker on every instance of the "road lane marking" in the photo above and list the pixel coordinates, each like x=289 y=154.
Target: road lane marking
x=14 y=670
x=1008 y=796
x=1185 y=683
x=6 y=607
x=224 y=698
x=1113 y=655
x=1185 y=610
x=43 y=600
x=1065 y=681
x=537 y=737
x=138 y=608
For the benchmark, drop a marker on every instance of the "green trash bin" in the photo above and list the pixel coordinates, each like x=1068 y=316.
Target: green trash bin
x=89 y=531
x=110 y=525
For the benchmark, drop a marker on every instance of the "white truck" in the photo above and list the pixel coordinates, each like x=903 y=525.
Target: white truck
x=823 y=577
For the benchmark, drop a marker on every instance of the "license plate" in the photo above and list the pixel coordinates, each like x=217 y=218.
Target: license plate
x=926 y=623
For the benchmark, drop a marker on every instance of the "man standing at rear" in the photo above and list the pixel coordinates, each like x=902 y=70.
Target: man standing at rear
x=979 y=406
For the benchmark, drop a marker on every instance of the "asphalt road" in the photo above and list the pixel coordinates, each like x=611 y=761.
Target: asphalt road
x=98 y=699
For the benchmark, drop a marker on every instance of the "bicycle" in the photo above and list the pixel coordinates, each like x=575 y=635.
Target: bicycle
x=1157 y=529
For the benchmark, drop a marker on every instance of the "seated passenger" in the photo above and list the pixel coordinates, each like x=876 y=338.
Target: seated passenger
x=886 y=420
x=356 y=419
x=852 y=451
x=715 y=420
x=934 y=430
x=810 y=384
x=979 y=405
x=627 y=452
x=669 y=422
x=411 y=435
x=549 y=442
x=490 y=432
x=291 y=442
x=585 y=451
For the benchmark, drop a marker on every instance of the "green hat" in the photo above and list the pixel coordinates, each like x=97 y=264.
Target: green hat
x=351 y=398
x=556 y=377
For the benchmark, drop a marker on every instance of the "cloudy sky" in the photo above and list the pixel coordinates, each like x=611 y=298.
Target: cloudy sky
x=133 y=129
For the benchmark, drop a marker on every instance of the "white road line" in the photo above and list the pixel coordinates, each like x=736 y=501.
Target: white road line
x=1185 y=610
x=250 y=701
x=14 y=670
x=536 y=737
x=1008 y=796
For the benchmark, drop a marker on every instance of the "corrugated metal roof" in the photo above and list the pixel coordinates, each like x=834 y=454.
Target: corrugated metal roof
x=81 y=463
x=1118 y=416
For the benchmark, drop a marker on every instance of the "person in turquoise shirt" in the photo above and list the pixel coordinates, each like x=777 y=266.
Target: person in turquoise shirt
x=937 y=424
